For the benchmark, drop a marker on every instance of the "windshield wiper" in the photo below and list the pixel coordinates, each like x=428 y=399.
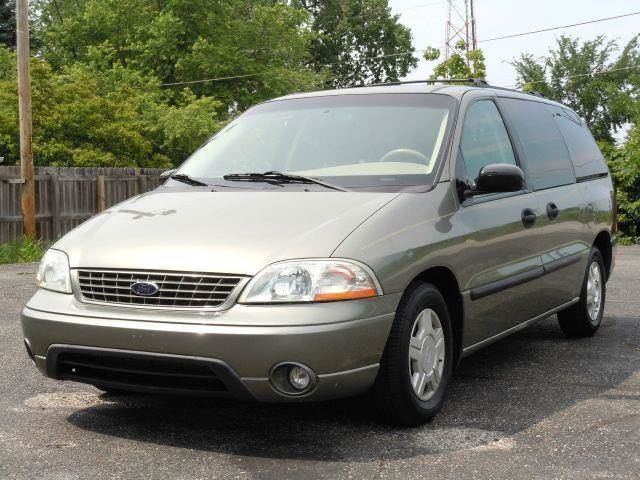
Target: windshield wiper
x=181 y=177
x=279 y=177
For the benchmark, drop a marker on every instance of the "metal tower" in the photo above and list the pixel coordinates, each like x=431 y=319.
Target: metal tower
x=461 y=25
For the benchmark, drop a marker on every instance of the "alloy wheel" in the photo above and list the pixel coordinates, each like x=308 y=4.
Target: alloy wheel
x=594 y=291
x=426 y=354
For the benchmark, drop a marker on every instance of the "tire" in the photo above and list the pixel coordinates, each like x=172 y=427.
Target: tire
x=585 y=317
x=397 y=400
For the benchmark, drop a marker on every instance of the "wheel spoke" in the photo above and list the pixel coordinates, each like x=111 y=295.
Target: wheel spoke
x=420 y=381
x=436 y=376
x=438 y=334
x=440 y=349
x=426 y=323
x=415 y=353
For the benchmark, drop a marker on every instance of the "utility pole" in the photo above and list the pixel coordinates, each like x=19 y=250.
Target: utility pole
x=26 y=121
x=460 y=25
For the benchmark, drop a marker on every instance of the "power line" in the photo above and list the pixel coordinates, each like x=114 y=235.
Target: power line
x=422 y=5
x=217 y=79
x=558 y=27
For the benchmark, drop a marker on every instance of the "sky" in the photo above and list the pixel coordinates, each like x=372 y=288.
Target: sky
x=503 y=17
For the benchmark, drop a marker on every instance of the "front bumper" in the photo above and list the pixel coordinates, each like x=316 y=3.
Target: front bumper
x=341 y=342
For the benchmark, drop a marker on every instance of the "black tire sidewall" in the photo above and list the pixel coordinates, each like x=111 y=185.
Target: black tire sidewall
x=422 y=297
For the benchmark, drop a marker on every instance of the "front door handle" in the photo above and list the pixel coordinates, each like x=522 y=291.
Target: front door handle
x=528 y=218
x=552 y=211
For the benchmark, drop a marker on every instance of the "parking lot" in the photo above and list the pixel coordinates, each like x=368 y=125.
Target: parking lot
x=535 y=405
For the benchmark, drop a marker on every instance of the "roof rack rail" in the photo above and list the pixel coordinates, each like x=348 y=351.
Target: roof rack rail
x=480 y=82
x=476 y=82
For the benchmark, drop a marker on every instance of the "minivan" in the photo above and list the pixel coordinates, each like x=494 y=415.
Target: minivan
x=336 y=243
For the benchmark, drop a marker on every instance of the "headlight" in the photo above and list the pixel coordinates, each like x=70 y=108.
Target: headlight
x=311 y=281
x=53 y=273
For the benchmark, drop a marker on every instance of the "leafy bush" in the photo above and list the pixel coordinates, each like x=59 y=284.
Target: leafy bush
x=88 y=117
x=624 y=164
x=22 y=251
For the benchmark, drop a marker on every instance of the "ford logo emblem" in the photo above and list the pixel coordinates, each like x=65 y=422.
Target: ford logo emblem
x=144 y=289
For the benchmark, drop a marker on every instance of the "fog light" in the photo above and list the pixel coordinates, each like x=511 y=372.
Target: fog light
x=292 y=379
x=299 y=378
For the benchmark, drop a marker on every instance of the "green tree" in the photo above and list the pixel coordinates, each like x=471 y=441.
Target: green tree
x=358 y=41
x=461 y=63
x=571 y=74
x=8 y=23
x=116 y=117
x=624 y=164
x=186 y=40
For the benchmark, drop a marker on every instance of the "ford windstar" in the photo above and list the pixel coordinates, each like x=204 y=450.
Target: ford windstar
x=328 y=244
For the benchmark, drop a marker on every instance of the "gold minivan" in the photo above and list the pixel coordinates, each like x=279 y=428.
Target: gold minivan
x=329 y=244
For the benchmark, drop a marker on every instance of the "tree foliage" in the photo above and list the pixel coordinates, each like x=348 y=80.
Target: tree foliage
x=186 y=40
x=624 y=164
x=7 y=23
x=460 y=64
x=570 y=74
x=358 y=41
x=83 y=117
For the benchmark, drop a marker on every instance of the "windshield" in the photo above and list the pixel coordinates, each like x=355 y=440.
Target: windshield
x=350 y=140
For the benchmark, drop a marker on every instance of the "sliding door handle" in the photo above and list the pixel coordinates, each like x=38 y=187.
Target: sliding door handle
x=528 y=218
x=552 y=211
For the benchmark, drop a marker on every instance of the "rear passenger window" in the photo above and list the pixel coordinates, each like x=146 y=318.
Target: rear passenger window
x=547 y=159
x=484 y=138
x=585 y=153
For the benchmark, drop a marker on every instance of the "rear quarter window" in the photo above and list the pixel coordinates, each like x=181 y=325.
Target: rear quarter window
x=587 y=158
x=547 y=159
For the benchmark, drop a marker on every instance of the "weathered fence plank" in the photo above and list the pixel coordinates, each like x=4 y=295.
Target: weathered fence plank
x=67 y=196
x=101 y=200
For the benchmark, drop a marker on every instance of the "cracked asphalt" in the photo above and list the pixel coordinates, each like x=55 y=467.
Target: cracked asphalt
x=534 y=405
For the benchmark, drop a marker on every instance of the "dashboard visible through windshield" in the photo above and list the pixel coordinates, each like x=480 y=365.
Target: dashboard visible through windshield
x=351 y=140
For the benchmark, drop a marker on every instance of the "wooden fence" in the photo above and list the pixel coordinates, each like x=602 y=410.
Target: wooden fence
x=66 y=197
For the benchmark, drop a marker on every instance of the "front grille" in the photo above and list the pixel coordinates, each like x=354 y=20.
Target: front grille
x=177 y=290
x=147 y=373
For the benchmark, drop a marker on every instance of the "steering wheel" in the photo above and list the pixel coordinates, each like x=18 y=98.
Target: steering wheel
x=389 y=156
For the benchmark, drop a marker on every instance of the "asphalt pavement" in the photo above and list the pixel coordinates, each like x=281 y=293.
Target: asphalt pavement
x=534 y=405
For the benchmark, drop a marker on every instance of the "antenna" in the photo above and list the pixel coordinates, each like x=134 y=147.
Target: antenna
x=460 y=25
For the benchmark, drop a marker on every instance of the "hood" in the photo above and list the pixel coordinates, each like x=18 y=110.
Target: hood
x=218 y=232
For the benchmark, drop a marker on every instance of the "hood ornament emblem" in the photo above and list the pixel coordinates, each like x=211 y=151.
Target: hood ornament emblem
x=144 y=289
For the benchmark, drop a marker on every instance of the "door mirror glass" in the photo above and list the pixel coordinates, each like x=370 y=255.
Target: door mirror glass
x=499 y=178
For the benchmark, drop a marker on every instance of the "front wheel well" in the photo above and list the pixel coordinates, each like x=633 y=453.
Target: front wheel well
x=603 y=243
x=445 y=281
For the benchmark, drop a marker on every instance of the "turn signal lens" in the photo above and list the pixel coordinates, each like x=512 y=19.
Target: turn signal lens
x=311 y=281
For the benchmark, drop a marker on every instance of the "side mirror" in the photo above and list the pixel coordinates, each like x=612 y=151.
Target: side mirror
x=164 y=176
x=494 y=178
x=500 y=177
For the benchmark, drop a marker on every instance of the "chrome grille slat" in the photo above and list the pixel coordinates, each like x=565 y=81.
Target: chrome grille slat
x=160 y=282
x=89 y=286
x=175 y=289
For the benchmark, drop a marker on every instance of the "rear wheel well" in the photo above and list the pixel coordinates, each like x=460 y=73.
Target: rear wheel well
x=603 y=243
x=445 y=281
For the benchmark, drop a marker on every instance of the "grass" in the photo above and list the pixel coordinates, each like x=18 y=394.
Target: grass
x=625 y=240
x=22 y=251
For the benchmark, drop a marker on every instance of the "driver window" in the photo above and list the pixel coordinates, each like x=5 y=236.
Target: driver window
x=484 y=138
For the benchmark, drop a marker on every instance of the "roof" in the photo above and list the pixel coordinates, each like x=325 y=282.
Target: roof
x=456 y=91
